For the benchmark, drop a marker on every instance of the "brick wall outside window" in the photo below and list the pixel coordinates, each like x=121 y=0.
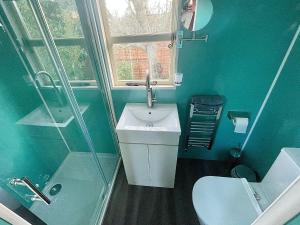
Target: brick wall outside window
x=136 y=58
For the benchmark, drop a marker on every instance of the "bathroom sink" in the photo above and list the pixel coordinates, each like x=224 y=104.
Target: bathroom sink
x=157 y=125
x=62 y=116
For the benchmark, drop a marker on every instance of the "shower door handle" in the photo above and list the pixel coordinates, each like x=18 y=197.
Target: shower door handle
x=24 y=181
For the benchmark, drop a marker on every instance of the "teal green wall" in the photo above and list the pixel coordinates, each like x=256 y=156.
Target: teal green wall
x=279 y=123
x=247 y=41
x=2 y=222
x=294 y=221
x=97 y=120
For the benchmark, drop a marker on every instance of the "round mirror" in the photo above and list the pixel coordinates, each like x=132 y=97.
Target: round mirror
x=196 y=14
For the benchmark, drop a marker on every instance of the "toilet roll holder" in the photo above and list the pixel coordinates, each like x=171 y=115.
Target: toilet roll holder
x=234 y=115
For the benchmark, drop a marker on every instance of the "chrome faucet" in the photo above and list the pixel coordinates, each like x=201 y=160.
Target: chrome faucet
x=55 y=88
x=150 y=97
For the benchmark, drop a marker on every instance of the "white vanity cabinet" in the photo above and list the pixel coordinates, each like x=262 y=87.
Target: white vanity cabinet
x=136 y=163
x=149 y=140
x=162 y=165
x=150 y=165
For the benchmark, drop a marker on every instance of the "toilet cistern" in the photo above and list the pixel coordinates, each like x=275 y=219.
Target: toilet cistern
x=150 y=97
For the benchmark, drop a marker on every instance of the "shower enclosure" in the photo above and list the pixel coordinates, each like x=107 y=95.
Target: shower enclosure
x=58 y=147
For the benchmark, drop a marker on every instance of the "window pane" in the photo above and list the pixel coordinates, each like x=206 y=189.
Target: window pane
x=28 y=19
x=64 y=23
x=136 y=17
x=131 y=61
x=75 y=60
x=61 y=15
x=45 y=61
x=62 y=18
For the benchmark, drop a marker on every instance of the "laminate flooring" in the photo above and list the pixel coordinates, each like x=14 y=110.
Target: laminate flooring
x=139 y=205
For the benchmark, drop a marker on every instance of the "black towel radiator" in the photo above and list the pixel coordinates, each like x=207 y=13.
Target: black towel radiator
x=204 y=115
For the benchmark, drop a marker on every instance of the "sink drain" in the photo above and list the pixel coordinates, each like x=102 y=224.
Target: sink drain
x=55 y=189
x=149 y=124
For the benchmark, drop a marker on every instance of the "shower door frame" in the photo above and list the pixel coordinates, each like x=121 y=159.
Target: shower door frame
x=57 y=62
x=95 y=47
x=90 y=17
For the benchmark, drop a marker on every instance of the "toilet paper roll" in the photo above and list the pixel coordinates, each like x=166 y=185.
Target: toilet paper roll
x=240 y=124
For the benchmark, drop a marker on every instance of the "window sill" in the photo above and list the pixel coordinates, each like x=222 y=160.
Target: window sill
x=160 y=87
x=75 y=87
x=86 y=88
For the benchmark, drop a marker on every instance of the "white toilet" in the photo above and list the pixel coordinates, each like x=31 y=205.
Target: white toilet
x=235 y=201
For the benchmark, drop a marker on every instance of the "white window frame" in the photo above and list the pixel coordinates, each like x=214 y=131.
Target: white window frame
x=109 y=41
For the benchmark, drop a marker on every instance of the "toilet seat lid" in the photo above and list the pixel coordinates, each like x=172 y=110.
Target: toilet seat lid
x=224 y=200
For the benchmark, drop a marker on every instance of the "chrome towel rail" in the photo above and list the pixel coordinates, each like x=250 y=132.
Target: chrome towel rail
x=205 y=111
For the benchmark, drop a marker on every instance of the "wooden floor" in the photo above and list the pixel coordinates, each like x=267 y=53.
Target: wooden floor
x=137 y=205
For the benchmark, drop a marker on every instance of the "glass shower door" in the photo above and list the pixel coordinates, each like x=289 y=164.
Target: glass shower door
x=78 y=76
x=71 y=42
x=42 y=137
